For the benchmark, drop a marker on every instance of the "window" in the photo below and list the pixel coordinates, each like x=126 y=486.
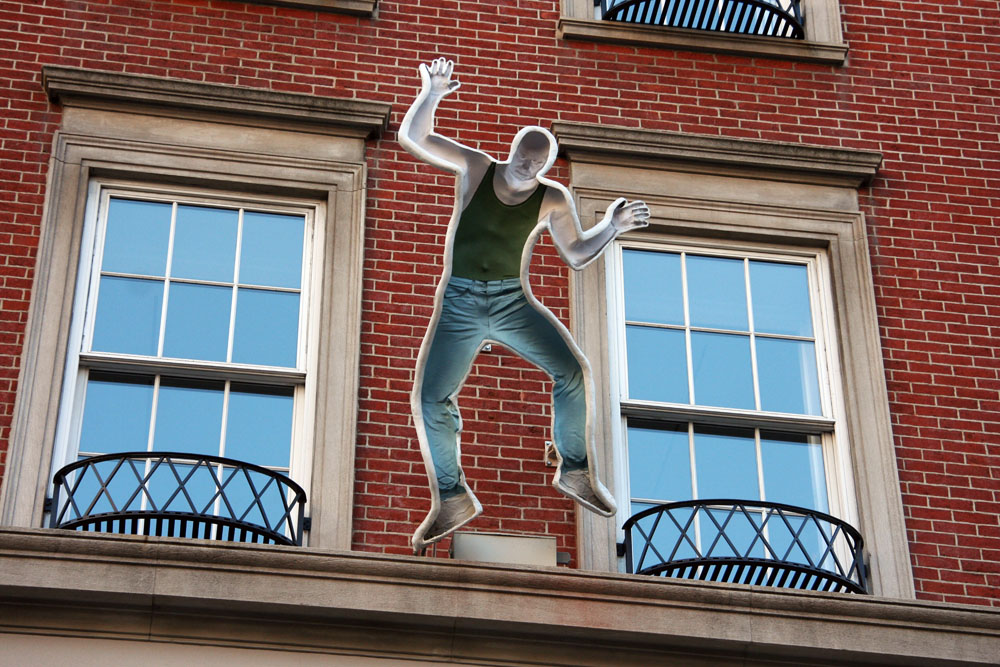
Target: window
x=191 y=337
x=191 y=165
x=787 y=29
x=721 y=354
x=736 y=335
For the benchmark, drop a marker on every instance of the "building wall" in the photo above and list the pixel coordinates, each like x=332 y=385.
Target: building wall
x=919 y=86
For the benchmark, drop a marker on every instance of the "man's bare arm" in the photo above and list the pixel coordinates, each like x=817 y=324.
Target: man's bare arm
x=416 y=133
x=578 y=247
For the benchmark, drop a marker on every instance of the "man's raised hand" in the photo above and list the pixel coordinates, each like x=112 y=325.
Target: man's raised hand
x=436 y=77
x=626 y=217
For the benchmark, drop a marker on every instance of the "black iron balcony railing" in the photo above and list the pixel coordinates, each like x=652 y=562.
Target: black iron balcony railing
x=746 y=542
x=178 y=495
x=764 y=18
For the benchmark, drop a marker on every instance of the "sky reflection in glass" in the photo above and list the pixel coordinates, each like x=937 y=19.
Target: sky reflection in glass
x=786 y=371
x=780 y=295
x=267 y=327
x=657 y=364
x=189 y=416
x=128 y=315
x=726 y=460
x=259 y=427
x=205 y=243
x=271 y=252
x=723 y=374
x=116 y=414
x=198 y=322
x=653 y=288
x=659 y=463
x=136 y=237
x=717 y=293
x=793 y=470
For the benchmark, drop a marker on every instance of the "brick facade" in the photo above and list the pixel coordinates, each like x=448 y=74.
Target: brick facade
x=919 y=85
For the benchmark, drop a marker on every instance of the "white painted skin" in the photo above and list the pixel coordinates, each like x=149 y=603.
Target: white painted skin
x=515 y=179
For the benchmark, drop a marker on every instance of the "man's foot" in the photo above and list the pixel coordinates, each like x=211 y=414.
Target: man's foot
x=454 y=513
x=578 y=485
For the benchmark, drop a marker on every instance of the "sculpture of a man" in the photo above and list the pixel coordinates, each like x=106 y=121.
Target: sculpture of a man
x=500 y=210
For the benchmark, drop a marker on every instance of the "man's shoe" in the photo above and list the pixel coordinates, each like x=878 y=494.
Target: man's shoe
x=455 y=512
x=578 y=485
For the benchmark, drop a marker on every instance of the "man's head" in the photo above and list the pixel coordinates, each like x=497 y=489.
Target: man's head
x=532 y=152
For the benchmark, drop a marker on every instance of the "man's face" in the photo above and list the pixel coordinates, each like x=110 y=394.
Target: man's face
x=528 y=161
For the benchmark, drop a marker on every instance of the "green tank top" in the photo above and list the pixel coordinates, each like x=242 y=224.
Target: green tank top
x=491 y=235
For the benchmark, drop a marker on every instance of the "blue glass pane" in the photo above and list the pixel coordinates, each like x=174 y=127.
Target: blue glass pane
x=662 y=537
x=717 y=293
x=780 y=294
x=653 y=289
x=726 y=461
x=198 y=322
x=267 y=328
x=659 y=463
x=786 y=371
x=723 y=373
x=657 y=364
x=184 y=487
x=116 y=414
x=738 y=537
x=128 y=316
x=259 y=426
x=188 y=417
x=793 y=470
x=136 y=237
x=271 y=252
x=205 y=243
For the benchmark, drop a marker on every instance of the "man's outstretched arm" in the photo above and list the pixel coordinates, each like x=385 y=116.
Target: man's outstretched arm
x=416 y=133
x=577 y=247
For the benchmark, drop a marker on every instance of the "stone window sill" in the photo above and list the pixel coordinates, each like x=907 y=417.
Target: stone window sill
x=356 y=7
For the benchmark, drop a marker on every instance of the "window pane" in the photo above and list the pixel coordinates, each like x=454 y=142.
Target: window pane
x=128 y=315
x=780 y=295
x=188 y=416
x=726 y=461
x=793 y=470
x=267 y=328
x=136 y=237
x=659 y=463
x=653 y=290
x=723 y=374
x=259 y=426
x=271 y=252
x=116 y=414
x=198 y=322
x=787 y=376
x=657 y=364
x=205 y=243
x=717 y=293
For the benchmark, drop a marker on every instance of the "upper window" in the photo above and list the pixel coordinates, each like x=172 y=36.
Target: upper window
x=787 y=29
x=190 y=338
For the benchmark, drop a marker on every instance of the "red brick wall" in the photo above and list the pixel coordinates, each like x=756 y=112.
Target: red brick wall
x=919 y=86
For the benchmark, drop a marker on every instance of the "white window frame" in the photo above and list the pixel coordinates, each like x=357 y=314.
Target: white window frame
x=80 y=360
x=824 y=40
x=828 y=426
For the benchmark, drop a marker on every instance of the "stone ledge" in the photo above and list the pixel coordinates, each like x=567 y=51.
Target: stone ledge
x=192 y=591
x=692 y=40
x=650 y=148
x=357 y=7
x=86 y=87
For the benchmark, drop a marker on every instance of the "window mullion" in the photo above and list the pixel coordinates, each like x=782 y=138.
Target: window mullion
x=687 y=329
x=166 y=280
x=753 y=338
x=236 y=280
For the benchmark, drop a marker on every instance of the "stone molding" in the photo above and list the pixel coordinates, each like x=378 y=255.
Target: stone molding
x=358 y=7
x=652 y=148
x=93 y=88
x=192 y=591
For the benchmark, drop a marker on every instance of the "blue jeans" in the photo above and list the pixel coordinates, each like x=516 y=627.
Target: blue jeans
x=472 y=312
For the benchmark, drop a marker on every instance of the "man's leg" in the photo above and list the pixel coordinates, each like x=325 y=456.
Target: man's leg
x=454 y=344
x=514 y=322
